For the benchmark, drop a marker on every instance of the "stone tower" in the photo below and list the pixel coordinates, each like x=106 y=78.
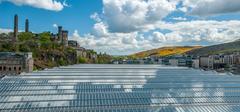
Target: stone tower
x=60 y=34
x=65 y=38
x=15 y=33
x=26 y=25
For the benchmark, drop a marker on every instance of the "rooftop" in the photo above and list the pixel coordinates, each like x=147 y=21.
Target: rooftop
x=120 y=88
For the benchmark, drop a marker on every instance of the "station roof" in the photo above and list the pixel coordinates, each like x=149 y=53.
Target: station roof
x=121 y=88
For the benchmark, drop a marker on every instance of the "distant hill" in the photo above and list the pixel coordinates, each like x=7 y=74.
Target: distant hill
x=216 y=49
x=165 y=51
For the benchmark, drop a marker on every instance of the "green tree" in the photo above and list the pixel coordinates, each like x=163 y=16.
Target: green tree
x=8 y=47
x=24 y=36
x=62 y=62
x=82 y=60
x=24 y=48
x=45 y=37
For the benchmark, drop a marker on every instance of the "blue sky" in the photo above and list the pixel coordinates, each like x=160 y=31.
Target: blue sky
x=121 y=27
x=76 y=16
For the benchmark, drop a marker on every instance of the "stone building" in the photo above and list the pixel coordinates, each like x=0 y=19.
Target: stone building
x=61 y=37
x=73 y=43
x=64 y=40
x=15 y=63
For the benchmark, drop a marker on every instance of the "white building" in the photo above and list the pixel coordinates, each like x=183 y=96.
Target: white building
x=205 y=62
x=173 y=62
x=195 y=63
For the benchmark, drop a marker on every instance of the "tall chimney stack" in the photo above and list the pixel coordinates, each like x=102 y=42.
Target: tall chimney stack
x=15 y=28
x=26 y=25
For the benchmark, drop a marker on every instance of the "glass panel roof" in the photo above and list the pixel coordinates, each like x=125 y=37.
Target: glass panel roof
x=121 y=88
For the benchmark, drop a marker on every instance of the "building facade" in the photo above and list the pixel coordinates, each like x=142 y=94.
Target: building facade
x=15 y=63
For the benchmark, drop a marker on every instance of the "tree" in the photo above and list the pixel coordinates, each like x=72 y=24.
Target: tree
x=45 y=37
x=24 y=36
x=82 y=60
x=8 y=47
x=24 y=48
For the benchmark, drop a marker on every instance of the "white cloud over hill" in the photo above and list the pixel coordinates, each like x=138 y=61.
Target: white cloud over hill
x=128 y=26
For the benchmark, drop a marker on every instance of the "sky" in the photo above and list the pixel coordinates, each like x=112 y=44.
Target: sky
x=122 y=27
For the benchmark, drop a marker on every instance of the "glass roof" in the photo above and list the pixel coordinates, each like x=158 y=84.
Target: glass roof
x=121 y=88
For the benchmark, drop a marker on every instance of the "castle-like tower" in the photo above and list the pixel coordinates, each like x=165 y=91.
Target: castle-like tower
x=27 y=25
x=65 y=38
x=62 y=36
x=60 y=33
x=15 y=33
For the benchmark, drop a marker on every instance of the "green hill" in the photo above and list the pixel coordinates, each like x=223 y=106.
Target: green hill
x=48 y=53
x=165 y=51
x=217 y=49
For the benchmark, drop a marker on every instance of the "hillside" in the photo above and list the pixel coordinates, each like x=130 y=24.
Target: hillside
x=216 y=49
x=48 y=53
x=165 y=51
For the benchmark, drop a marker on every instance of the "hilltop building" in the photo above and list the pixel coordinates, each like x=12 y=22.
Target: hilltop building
x=73 y=43
x=15 y=63
x=82 y=52
x=61 y=37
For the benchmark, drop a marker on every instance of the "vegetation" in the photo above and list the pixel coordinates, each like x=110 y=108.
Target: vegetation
x=226 y=48
x=165 y=51
x=47 y=53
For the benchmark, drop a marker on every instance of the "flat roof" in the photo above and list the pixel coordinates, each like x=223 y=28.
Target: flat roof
x=121 y=88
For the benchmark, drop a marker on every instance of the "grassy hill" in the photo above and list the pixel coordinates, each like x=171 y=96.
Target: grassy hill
x=216 y=49
x=48 y=53
x=165 y=51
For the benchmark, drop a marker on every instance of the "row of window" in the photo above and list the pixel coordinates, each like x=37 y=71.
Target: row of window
x=4 y=68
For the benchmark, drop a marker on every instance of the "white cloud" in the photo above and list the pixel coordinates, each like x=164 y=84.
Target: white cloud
x=75 y=36
x=55 y=25
x=125 y=16
x=124 y=25
x=52 y=5
x=209 y=31
x=100 y=29
x=183 y=9
x=179 y=18
x=181 y=33
x=95 y=17
x=212 y=7
x=134 y=15
x=158 y=37
x=5 y=30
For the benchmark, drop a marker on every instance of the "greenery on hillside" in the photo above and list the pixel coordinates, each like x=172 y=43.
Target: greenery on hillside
x=226 y=48
x=48 y=53
x=165 y=51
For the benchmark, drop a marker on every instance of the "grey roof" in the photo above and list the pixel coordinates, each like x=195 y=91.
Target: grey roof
x=11 y=55
x=120 y=88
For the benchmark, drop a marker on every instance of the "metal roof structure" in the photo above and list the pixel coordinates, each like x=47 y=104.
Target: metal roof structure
x=120 y=88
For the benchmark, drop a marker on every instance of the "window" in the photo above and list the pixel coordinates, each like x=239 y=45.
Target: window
x=0 y=68
x=4 y=68
x=10 y=69
x=19 y=68
x=15 y=68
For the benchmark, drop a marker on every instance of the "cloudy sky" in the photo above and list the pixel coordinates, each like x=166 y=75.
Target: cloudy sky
x=121 y=27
